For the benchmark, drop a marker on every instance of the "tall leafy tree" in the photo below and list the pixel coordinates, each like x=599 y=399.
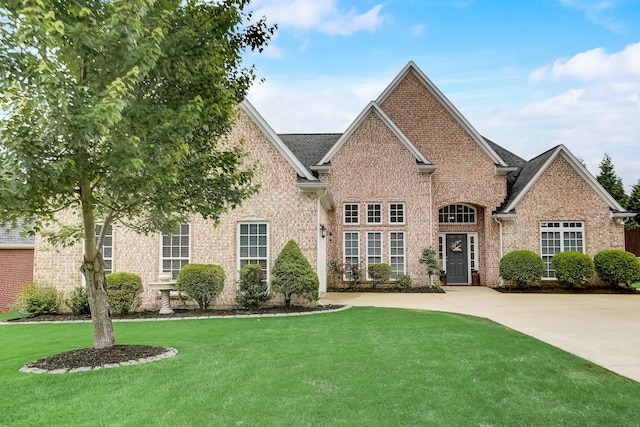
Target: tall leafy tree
x=117 y=110
x=611 y=181
x=633 y=204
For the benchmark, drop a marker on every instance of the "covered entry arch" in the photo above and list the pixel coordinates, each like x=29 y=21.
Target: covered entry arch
x=459 y=230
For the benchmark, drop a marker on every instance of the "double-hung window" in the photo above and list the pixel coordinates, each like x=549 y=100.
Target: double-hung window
x=253 y=245
x=176 y=250
x=374 y=213
x=560 y=236
x=397 y=253
x=351 y=253
x=107 y=247
x=374 y=248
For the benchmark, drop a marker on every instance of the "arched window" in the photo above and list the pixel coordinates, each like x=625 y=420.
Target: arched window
x=457 y=214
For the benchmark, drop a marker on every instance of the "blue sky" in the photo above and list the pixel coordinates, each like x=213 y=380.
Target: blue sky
x=528 y=74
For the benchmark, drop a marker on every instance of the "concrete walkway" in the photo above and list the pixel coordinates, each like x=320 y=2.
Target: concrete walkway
x=604 y=329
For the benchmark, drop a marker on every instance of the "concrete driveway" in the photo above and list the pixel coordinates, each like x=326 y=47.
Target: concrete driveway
x=604 y=329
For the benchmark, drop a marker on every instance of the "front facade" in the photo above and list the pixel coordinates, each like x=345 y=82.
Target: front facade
x=410 y=172
x=16 y=265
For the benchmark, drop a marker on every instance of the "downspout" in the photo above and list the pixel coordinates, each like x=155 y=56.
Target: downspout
x=500 y=224
x=430 y=211
x=319 y=238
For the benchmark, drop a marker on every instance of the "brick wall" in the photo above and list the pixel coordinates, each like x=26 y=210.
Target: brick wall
x=289 y=213
x=16 y=269
x=562 y=194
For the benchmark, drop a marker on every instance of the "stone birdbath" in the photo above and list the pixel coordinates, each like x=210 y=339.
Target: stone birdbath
x=165 y=285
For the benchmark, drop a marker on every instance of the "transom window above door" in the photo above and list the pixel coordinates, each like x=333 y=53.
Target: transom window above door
x=457 y=214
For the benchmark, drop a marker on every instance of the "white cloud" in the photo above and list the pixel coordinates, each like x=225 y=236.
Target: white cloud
x=594 y=64
x=592 y=105
x=321 y=15
x=599 y=12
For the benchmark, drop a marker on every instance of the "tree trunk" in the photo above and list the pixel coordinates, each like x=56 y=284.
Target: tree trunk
x=93 y=270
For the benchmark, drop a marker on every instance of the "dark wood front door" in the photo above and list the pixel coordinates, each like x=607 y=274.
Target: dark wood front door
x=457 y=259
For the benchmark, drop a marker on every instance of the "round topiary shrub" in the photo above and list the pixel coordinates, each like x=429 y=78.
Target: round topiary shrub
x=574 y=268
x=123 y=291
x=292 y=274
x=35 y=299
x=616 y=266
x=201 y=282
x=522 y=267
x=253 y=290
x=78 y=301
x=379 y=273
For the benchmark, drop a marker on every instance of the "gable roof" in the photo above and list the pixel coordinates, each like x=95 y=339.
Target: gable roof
x=266 y=129
x=10 y=238
x=411 y=67
x=310 y=148
x=534 y=168
x=374 y=108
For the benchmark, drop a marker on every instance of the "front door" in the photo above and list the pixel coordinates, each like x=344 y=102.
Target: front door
x=457 y=259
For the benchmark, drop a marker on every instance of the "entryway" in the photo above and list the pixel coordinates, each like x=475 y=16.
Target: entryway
x=457 y=261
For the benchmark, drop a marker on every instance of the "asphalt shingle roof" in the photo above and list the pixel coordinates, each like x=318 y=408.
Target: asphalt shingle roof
x=12 y=237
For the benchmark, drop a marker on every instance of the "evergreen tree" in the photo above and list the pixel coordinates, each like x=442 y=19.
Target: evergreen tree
x=292 y=274
x=633 y=205
x=611 y=182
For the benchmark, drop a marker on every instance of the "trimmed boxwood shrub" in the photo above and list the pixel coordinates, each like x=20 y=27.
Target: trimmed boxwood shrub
x=522 y=267
x=379 y=273
x=616 y=266
x=201 y=282
x=574 y=268
x=292 y=274
x=123 y=291
x=403 y=281
x=35 y=299
x=253 y=290
x=78 y=301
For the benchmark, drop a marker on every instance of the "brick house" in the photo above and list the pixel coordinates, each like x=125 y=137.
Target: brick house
x=410 y=172
x=16 y=265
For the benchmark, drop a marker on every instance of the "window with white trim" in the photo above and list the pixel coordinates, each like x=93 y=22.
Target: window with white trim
x=457 y=214
x=374 y=248
x=396 y=213
x=176 y=250
x=397 y=253
x=253 y=245
x=107 y=248
x=560 y=236
x=374 y=213
x=351 y=252
x=351 y=213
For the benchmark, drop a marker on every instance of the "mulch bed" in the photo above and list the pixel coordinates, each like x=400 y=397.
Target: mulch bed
x=414 y=290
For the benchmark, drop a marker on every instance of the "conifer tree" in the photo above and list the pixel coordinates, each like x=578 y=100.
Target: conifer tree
x=610 y=181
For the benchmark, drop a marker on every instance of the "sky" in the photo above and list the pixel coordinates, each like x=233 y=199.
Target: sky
x=527 y=74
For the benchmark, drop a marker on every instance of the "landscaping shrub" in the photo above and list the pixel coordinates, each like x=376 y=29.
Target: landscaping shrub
x=403 y=281
x=574 y=268
x=616 y=266
x=35 y=299
x=123 y=291
x=253 y=290
x=379 y=273
x=78 y=301
x=292 y=274
x=431 y=263
x=522 y=267
x=201 y=282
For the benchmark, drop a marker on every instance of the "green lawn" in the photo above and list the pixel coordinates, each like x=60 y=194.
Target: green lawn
x=360 y=367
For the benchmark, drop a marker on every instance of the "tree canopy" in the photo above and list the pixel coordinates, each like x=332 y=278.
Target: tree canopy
x=611 y=181
x=117 y=110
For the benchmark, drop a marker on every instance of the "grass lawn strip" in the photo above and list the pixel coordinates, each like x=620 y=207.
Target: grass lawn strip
x=363 y=366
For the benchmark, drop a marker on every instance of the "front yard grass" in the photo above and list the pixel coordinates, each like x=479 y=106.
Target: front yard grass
x=359 y=367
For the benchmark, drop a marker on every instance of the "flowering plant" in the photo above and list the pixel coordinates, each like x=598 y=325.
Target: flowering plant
x=350 y=271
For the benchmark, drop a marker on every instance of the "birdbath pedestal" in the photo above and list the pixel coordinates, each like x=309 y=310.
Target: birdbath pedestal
x=165 y=285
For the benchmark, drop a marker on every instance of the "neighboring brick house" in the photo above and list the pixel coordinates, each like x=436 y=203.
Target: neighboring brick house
x=410 y=172
x=16 y=265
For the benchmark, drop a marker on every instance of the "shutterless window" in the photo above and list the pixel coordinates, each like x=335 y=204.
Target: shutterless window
x=374 y=248
x=397 y=253
x=560 y=236
x=457 y=214
x=253 y=245
x=107 y=248
x=396 y=213
x=351 y=250
x=374 y=213
x=176 y=250
x=351 y=213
